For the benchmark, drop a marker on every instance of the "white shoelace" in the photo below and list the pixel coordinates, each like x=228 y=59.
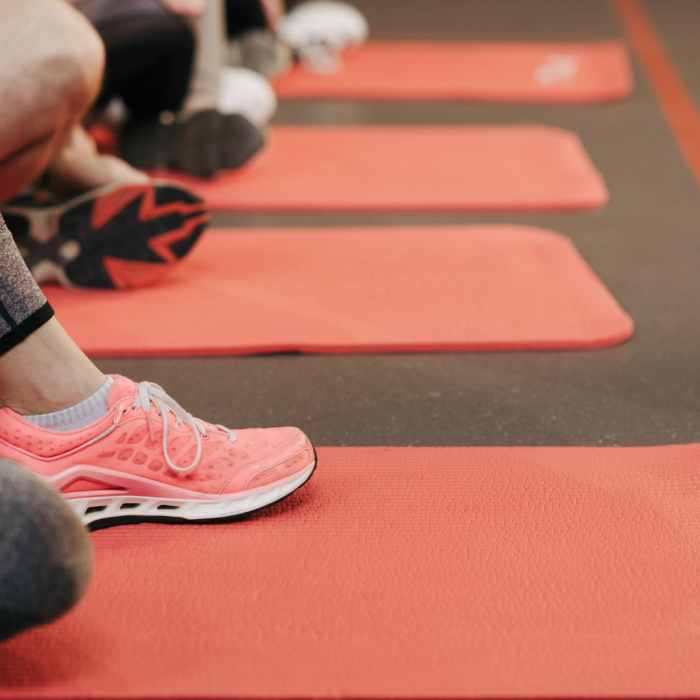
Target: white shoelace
x=147 y=394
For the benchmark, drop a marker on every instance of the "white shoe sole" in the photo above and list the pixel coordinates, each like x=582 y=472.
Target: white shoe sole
x=123 y=507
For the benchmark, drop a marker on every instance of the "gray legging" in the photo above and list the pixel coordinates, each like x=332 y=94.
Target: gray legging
x=45 y=554
x=23 y=308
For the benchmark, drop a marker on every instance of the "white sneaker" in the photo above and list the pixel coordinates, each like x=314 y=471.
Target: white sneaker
x=243 y=91
x=261 y=51
x=320 y=31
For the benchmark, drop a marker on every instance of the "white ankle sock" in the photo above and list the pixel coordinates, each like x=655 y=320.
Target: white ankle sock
x=78 y=416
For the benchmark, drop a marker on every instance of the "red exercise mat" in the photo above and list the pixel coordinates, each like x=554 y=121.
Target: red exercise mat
x=410 y=168
x=492 y=71
x=391 y=289
x=447 y=572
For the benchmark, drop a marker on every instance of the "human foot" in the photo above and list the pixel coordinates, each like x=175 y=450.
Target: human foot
x=147 y=459
x=78 y=168
x=117 y=236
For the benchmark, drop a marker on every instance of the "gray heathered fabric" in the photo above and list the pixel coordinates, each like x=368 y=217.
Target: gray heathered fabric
x=45 y=552
x=20 y=295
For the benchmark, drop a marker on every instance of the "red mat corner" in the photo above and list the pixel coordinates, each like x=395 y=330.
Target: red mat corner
x=410 y=168
x=350 y=290
x=487 y=71
x=401 y=573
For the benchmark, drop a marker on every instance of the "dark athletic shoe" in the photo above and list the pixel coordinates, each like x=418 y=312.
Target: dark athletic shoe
x=206 y=144
x=114 y=237
x=241 y=140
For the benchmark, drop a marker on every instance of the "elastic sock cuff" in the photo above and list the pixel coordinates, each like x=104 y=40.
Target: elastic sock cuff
x=75 y=417
x=24 y=329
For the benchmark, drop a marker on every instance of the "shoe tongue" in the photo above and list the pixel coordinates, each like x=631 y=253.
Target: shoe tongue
x=121 y=388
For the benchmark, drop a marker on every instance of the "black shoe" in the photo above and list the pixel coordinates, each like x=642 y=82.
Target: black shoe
x=202 y=146
x=114 y=237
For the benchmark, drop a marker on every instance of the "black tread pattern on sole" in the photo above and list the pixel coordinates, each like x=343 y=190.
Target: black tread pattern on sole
x=123 y=236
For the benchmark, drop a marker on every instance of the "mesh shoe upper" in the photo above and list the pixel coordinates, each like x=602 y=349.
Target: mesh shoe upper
x=125 y=442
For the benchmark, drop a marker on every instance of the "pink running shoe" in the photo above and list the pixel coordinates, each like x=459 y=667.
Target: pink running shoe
x=148 y=459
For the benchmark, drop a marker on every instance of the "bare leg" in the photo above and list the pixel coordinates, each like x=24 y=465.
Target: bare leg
x=51 y=63
x=78 y=167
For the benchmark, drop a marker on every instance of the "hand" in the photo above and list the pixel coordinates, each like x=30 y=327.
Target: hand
x=188 y=8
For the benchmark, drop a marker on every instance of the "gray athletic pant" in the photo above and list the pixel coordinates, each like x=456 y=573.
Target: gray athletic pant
x=45 y=553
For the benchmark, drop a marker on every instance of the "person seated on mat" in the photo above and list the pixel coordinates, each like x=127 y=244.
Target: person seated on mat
x=162 y=63
x=188 y=110
x=87 y=219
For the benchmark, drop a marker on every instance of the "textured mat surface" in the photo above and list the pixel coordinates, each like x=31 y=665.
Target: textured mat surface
x=356 y=290
x=500 y=72
x=402 y=572
x=411 y=168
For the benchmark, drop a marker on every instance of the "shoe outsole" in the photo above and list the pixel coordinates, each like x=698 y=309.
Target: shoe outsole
x=115 y=237
x=262 y=498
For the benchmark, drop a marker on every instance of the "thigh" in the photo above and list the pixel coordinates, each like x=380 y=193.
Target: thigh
x=48 y=57
x=51 y=63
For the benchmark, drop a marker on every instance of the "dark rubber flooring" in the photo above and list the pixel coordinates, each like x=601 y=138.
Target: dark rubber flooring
x=645 y=245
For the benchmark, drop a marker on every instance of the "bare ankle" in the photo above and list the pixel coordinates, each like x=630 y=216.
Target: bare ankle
x=35 y=400
x=47 y=372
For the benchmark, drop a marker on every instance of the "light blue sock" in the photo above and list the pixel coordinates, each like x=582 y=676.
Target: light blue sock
x=78 y=416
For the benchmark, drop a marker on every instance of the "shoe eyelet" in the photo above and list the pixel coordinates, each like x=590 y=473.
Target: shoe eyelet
x=205 y=436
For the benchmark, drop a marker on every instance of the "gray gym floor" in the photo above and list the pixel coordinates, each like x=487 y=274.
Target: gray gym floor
x=645 y=246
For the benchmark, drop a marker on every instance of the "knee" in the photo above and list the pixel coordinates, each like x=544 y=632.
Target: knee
x=45 y=552
x=75 y=59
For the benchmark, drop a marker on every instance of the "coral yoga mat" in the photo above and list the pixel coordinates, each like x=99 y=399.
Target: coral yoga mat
x=410 y=168
x=448 y=572
x=489 y=71
x=352 y=290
